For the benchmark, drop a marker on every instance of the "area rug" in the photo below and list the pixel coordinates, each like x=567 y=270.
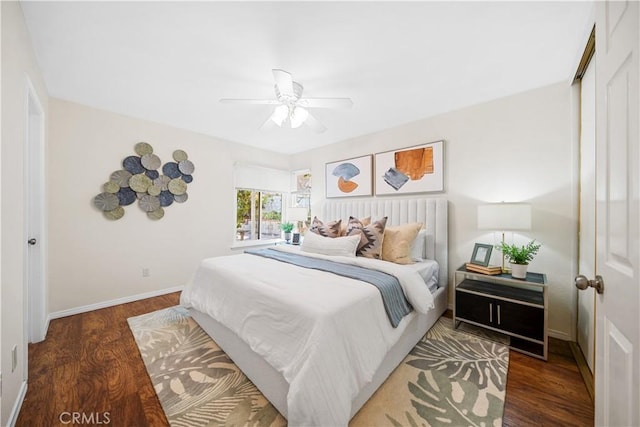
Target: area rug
x=450 y=378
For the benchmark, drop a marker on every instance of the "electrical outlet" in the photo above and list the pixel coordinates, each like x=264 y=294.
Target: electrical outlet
x=146 y=272
x=14 y=358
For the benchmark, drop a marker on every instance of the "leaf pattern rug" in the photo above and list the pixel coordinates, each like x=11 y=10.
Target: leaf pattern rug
x=450 y=378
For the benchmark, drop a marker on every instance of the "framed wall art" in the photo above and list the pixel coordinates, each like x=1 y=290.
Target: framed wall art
x=418 y=169
x=349 y=178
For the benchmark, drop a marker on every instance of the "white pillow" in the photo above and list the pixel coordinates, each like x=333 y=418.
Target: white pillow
x=334 y=246
x=417 y=247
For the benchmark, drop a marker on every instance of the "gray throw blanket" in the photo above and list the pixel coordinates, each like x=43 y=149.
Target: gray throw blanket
x=395 y=303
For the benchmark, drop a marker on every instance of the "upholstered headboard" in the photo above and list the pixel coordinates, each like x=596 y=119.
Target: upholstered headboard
x=432 y=212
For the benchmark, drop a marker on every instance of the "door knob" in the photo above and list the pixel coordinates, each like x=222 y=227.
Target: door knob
x=32 y=241
x=583 y=283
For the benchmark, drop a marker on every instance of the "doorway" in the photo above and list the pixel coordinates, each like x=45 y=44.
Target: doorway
x=35 y=213
x=585 y=335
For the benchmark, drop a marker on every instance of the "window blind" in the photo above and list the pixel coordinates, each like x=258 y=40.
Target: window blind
x=256 y=177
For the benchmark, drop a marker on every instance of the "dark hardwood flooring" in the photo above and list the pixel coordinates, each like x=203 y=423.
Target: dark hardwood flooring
x=89 y=364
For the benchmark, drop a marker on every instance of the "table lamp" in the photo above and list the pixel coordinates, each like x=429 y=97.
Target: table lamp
x=504 y=217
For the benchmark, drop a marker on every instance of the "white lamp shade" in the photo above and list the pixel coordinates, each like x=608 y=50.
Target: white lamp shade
x=504 y=216
x=297 y=214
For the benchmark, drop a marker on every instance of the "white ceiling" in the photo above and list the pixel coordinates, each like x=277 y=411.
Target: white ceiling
x=171 y=62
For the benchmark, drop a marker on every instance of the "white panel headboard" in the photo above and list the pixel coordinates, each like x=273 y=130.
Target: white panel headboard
x=432 y=212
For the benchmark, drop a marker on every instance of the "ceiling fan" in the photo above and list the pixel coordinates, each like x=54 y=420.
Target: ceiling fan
x=292 y=109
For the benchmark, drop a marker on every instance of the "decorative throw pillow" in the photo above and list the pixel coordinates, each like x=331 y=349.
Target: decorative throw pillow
x=331 y=229
x=338 y=246
x=345 y=226
x=371 y=236
x=397 y=242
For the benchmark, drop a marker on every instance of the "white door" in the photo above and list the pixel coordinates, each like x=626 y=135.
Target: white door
x=587 y=262
x=617 y=373
x=35 y=288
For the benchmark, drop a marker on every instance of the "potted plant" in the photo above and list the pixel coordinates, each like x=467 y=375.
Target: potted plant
x=519 y=257
x=287 y=227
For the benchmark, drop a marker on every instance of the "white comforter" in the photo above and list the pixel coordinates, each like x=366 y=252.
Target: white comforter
x=326 y=334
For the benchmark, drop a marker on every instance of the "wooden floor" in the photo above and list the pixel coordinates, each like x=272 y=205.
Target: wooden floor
x=89 y=365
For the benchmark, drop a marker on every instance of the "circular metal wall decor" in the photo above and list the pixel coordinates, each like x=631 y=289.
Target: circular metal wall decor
x=133 y=164
x=143 y=148
x=139 y=179
x=179 y=156
x=151 y=161
x=157 y=214
x=117 y=213
x=106 y=201
x=171 y=170
x=121 y=178
x=140 y=183
x=111 y=187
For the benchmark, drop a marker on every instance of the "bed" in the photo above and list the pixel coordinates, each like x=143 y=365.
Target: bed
x=308 y=384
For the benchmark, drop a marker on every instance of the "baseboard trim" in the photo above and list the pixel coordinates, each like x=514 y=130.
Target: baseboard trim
x=110 y=303
x=559 y=335
x=15 y=411
x=583 y=367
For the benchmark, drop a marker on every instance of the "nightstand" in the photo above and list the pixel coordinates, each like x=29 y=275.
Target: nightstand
x=517 y=308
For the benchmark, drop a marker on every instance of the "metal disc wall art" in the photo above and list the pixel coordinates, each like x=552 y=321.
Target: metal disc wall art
x=139 y=179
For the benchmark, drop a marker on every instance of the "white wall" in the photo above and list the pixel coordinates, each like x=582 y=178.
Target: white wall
x=519 y=148
x=18 y=62
x=92 y=259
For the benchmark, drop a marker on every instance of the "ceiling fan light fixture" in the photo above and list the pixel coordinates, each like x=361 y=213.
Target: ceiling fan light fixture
x=280 y=114
x=298 y=117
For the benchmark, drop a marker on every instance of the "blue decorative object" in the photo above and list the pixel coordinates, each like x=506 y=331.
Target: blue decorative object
x=187 y=178
x=166 y=198
x=133 y=164
x=126 y=196
x=171 y=170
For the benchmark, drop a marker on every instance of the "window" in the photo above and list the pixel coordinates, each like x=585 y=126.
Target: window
x=261 y=200
x=258 y=214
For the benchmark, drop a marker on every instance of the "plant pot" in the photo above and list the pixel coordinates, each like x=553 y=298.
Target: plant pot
x=287 y=237
x=519 y=271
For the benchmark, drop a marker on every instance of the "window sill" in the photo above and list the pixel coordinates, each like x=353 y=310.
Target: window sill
x=255 y=243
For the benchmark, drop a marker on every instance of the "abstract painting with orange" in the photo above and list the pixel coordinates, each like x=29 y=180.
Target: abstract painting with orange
x=415 y=163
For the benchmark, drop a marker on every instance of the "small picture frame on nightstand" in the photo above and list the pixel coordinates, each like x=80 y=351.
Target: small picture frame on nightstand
x=296 y=239
x=481 y=254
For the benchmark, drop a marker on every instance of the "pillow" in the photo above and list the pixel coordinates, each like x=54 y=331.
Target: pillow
x=331 y=229
x=371 y=236
x=396 y=245
x=337 y=246
x=345 y=226
x=417 y=248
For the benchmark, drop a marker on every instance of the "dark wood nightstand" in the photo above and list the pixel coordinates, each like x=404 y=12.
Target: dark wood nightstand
x=517 y=308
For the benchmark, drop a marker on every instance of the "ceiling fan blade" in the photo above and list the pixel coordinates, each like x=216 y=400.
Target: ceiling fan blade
x=325 y=102
x=250 y=101
x=314 y=124
x=284 y=81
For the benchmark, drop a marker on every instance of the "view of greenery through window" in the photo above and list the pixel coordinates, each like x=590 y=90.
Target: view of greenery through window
x=258 y=215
